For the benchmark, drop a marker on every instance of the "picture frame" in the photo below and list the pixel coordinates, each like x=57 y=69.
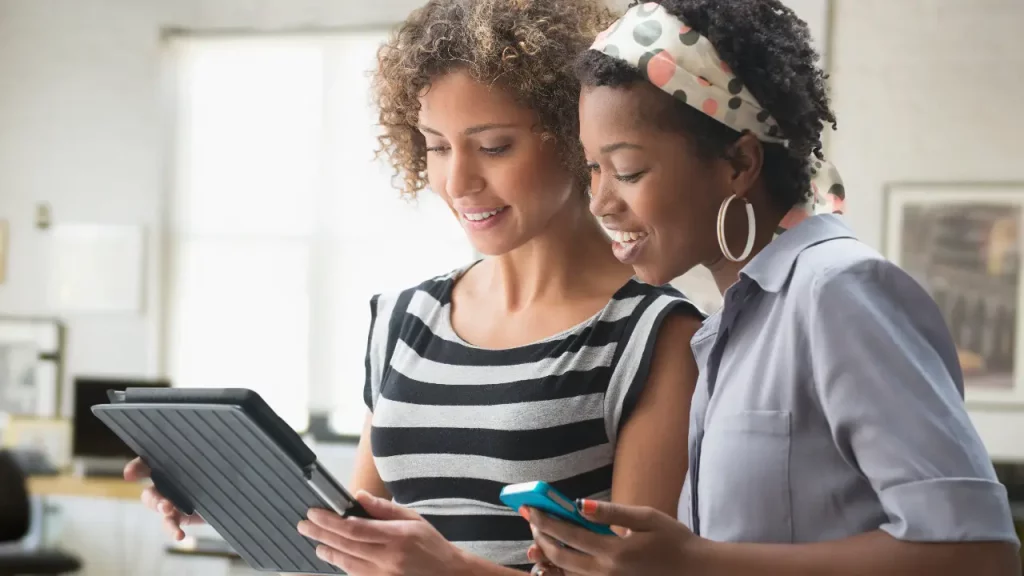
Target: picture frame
x=32 y=352
x=964 y=242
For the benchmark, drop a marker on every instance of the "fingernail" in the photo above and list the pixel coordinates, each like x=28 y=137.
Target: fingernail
x=531 y=555
x=524 y=512
x=321 y=552
x=302 y=527
x=587 y=507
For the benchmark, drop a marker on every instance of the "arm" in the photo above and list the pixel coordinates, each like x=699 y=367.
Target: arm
x=651 y=453
x=887 y=376
x=365 y=476
x=875 y=553
x=658 y=545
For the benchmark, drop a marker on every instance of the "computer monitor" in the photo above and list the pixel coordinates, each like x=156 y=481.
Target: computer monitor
x=90 y=438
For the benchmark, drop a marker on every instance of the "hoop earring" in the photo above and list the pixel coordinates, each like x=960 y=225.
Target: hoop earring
x=721 y=230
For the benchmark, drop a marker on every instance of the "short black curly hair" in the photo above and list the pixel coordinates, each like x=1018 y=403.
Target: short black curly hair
x=769 y=48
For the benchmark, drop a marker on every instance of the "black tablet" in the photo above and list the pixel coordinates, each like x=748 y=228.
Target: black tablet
x=225 y=454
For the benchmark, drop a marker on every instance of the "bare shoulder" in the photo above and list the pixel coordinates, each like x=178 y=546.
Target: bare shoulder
x=680 y=327
x=672 y=349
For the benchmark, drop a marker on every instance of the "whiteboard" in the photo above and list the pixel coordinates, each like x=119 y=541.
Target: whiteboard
x=95 y=268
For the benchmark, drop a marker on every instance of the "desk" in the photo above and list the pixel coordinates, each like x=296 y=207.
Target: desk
x=76 y=486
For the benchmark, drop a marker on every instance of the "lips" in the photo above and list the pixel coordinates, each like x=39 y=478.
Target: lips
x=477 y=215
x=626 y=236
x=627 y=244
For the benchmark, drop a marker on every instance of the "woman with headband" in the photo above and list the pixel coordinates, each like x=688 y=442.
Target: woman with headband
x=828 y=433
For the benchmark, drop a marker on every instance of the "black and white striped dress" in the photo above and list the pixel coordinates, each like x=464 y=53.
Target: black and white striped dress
x=453 y=423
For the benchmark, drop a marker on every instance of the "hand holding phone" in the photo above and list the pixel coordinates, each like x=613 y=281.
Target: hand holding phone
x=544 y=497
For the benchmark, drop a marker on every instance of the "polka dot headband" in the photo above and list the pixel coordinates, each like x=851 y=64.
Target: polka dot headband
x=683 y=63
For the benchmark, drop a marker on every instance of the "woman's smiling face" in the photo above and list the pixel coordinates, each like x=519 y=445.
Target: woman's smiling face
x=651 y=190
x=500 y=176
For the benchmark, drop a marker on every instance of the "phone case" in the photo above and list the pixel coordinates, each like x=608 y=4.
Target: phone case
x=544 y=497
x=226 y=455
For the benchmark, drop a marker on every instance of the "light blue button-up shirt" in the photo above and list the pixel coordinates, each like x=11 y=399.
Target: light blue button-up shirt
x=830 y=404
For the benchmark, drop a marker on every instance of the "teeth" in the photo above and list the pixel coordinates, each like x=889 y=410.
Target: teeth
x=479 y=216
x=626 y=237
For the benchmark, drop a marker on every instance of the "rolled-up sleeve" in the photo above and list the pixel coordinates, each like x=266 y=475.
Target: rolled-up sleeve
x=888 y=378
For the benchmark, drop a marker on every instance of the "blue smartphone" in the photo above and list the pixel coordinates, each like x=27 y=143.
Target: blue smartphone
x=543 y=497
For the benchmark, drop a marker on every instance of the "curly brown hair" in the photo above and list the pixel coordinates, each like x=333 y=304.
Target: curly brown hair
x=527 y=46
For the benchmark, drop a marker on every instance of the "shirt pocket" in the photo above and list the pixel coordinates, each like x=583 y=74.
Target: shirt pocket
x=744 y=478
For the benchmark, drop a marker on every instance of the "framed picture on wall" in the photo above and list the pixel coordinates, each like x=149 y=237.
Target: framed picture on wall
x=31 y=366
x=963 y=243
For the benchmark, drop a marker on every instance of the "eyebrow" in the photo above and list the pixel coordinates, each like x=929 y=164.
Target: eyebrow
x=609 y=148
x=471 y=130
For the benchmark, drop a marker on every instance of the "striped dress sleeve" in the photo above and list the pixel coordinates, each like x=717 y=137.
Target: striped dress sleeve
x=635 y=353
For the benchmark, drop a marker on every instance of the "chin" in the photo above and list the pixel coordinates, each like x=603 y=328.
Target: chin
x=660 y=272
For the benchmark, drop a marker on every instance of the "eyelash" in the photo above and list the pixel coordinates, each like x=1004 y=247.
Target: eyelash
x=627 y=178
x=498 y=151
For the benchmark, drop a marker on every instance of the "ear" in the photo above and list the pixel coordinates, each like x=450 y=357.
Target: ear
x=746 y=157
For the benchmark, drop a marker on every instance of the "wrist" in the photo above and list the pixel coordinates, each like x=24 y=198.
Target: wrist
x=705 y=556
x=462 y=563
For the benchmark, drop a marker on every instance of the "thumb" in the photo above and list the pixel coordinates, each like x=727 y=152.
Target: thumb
x=136 y=470
x=635 y=518
x=382 y=509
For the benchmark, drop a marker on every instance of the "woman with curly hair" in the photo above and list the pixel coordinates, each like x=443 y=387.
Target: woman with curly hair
x=828 y=433
x=547 y=360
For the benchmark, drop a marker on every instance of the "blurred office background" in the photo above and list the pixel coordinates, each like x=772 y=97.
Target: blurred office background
x=188 y=197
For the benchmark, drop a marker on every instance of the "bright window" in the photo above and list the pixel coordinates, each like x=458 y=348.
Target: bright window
x=283 y=224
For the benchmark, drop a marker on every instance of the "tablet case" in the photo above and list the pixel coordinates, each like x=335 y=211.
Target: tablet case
x=226 y=455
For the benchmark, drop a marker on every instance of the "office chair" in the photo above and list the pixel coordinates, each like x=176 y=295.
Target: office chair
x=14 y=525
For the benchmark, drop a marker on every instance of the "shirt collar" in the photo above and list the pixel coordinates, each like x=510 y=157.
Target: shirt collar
x=771 y=268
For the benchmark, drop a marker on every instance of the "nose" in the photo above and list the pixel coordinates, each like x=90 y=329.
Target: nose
x=463 y=177
x=603 y=199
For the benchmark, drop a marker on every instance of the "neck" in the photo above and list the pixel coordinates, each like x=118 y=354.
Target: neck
x=766 y=220
x=554 y=264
